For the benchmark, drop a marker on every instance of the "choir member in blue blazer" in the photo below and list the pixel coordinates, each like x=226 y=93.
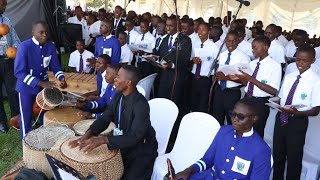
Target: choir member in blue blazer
x=107 y=43
x=237 y=151
x=34 y=57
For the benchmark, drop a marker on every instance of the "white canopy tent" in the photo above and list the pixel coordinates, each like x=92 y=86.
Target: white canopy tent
x=289 y=14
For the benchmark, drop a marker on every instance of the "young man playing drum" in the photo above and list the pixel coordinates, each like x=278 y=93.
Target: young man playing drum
x=133 y=135
x=31 y=67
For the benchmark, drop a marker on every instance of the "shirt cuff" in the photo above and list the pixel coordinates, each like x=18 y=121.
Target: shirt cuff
x=59 y=75
x=31 y=80
x=173 y=66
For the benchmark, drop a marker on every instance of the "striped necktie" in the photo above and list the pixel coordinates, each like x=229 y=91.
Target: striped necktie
x=223 y=83
x=198 y=69
x=283 y=115
x=251 y=85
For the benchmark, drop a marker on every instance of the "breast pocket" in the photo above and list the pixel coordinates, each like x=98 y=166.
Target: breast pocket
x=46 y=61
x=107 y=51
x=241 y=166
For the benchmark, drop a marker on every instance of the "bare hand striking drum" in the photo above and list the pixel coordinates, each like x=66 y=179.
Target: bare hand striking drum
x=100 y=162
x=82 y=126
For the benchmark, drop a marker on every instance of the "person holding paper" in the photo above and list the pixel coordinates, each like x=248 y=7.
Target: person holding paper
x=107 y=43
x=205 y=52
x=227 y=92
x=145 y=43
x=263 y=82
x=298 y=88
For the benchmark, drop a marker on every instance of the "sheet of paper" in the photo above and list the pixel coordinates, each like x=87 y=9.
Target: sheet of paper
x=274 y=106
x=133 y=47
x=234 y=69
x=66 y=176
x=204 y=54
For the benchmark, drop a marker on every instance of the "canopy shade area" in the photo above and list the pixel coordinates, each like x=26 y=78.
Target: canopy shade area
x=290 y=14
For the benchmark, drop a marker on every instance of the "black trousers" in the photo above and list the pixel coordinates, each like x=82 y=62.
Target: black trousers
x=264 y=112
x=223 y=102
x=288 y=142
x=200 y=94
x=9 y=80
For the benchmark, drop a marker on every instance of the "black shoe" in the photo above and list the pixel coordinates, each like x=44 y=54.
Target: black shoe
x=3 y=129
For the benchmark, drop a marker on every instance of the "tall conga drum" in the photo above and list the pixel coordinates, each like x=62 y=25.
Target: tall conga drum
x=49 y=98
x=62 y=116
x=82 y=126
x=100 y=162
x=44 y=140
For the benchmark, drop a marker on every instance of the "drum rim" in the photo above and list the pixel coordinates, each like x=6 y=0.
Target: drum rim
x=47 y=100
x=85 y=120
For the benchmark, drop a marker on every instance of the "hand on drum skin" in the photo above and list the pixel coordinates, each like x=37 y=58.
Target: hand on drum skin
x=80 y=105
x=196 y=60
x=90 y=144
x=79 y=141
x=47 y=84
x=63 y=83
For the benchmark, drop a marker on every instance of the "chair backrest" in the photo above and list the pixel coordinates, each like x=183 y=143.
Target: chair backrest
x=196 y=133
x=141 y=90
x=147 y=84
x=163 y=114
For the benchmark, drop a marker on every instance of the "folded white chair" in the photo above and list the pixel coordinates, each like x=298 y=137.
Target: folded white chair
x=147 y=84
x=163 y=114
x=196 y=133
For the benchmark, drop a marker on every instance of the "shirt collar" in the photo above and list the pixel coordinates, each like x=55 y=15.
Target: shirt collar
x=264 y=60
x=35 y=41
x=175 y=35
x=164 y=36
x=108 y=37
x=246 y=134
x=307 y=73
x=104 y=73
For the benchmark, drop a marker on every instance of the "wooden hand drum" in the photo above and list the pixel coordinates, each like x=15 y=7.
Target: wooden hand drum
x=82 y=126
x=100 y=162
x=62 y=116
x=49 y=98
x=44 y=140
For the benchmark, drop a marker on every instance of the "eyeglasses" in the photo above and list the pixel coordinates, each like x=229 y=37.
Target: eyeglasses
x=240 y=116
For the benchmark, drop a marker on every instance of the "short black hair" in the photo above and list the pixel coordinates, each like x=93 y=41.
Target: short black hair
x=115 y=67
x=108 y=22
x=144 y=21
x=240 y=29
x=133 y=73
x=206 y=25
x=259 y=32
x=218 y=29
x=157 y=17
x=118 y=7
x=102 y=10
x=235 y=33
x=263 y=39
x=105 y=57
x=187 y=21
x=308 y=49
x=130 y=21
x=123 y=33
x=251 y=103
x=302 y=33
x=35 y=23
x=273 y=26
x=80 y=40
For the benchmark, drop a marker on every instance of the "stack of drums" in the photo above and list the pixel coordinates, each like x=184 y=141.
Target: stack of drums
x=44 y=140
x=100 y=162
x=82 y=126
x=62 y=116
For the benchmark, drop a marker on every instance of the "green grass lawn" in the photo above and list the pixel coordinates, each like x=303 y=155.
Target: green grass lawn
x=10 y=143
x=11 y=148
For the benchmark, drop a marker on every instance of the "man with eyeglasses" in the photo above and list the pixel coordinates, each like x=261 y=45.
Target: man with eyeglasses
x=237 y=151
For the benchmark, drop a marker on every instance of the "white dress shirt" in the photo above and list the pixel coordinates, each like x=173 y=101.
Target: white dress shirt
x=95 y=29
x=104 y=83
x=83 y=23
x=133 y=36
x=161 y=39
x=236 y=57
x=194 y=37
x=269 y=73
x=126 y=54
x=87 y=38
x=293 y=67
x=219 y=43
x=290 y=49
x=277 y=51
x=307 y=91
x=251 y=40
x=283 y=40
x=206 y=59
x=248 y=34
x=317 y=49
x=246 y=48
x=147 y=44
x=74 y=60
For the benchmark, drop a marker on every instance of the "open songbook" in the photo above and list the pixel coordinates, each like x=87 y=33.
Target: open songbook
x=234 y=69
x=277 y=106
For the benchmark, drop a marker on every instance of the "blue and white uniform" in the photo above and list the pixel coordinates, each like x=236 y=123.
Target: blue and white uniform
x=102 y=102
x=31 y=66
x=110 y=46
x=234 y=157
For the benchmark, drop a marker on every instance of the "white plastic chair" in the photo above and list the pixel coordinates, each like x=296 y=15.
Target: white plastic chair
x=163 y=114
x=147 y=84
x=196 y=133
x=141 y=90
